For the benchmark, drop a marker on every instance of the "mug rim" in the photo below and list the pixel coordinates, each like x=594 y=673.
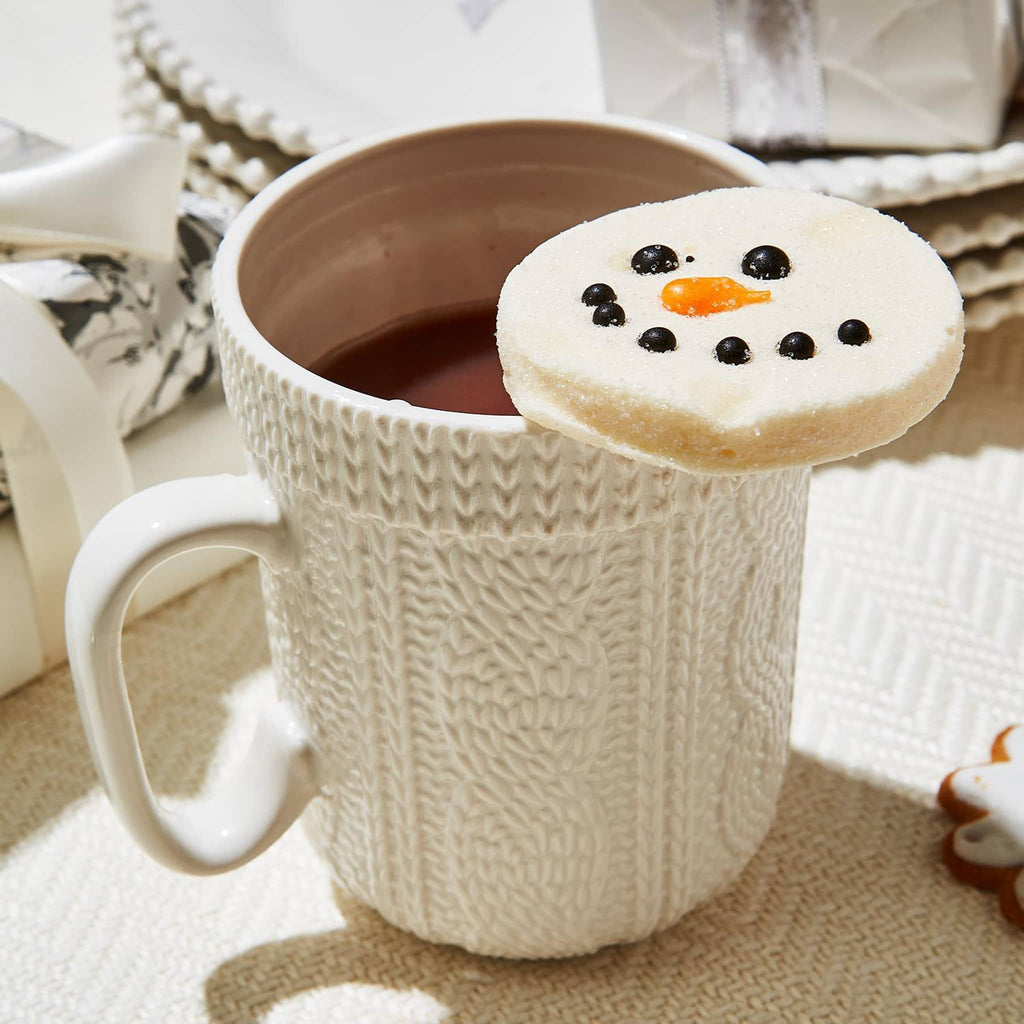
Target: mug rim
x=224 y=278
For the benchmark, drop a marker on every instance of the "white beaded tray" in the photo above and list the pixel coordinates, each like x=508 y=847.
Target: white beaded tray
x=896 y=179
x=986 y=220
x=277 y=87
x=989 y=270
x=228 y=152
x=985 y=312
x=204 y=182
x=297 y=74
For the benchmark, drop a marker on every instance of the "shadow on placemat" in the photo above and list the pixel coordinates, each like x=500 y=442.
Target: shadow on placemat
x=845 y=914
x=984 y=408
x=46 y=762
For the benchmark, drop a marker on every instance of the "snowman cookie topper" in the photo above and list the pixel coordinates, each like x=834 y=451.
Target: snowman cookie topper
x=730 y=331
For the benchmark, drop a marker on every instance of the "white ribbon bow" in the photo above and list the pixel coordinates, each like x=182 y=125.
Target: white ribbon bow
x=120 y=195
x=66 y=465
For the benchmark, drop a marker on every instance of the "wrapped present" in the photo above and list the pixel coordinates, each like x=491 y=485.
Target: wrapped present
x=106 y=326
x=139 y=322
x=781 y=74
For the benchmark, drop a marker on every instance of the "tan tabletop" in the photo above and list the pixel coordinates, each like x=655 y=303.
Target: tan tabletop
x=911 y=658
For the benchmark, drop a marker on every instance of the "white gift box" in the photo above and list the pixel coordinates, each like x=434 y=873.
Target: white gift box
x=106 y=327
x=918 y=74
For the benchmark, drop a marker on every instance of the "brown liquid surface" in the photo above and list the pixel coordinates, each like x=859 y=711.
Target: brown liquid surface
x=440 y=359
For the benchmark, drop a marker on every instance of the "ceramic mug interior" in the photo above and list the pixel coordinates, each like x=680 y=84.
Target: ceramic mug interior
x=437 y=218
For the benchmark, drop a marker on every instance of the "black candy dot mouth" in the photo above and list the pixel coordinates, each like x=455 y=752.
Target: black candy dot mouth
x=853 y=332
x=797 y=345
x=732 y=351
x=609 y=314
x=657 y=339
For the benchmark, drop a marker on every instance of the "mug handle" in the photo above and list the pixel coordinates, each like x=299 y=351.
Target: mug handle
x=275 y=780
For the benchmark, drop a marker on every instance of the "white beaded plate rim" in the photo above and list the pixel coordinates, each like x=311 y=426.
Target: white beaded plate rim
x=246 y=69
x=989 y=270
x=204 y=182
x=898 y=179
x=983 y=312
x=300 y=126
x=986 y=220
x=150 y=106
x=985 y=223
x=137 y=33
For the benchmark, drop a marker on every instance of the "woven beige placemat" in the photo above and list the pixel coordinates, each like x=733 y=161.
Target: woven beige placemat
x=912 y=650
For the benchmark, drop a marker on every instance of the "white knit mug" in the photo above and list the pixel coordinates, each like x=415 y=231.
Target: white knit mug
x=536 y=695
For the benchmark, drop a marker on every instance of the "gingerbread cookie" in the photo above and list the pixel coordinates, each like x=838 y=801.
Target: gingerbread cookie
x=987 y=848
x=733 y=330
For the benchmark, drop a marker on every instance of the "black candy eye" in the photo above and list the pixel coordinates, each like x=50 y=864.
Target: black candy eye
x=654 y=259
x=766 y=263
x=657 y=339
x=732 y=350
x=797 y=346
x=853 y=332
x=595 y=294
x=609 y=314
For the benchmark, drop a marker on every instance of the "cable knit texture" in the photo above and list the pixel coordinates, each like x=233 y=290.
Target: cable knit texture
x=549 y=687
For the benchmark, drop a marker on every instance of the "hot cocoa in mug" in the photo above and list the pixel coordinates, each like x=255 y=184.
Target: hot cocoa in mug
x=440 y=359
x=534 y=697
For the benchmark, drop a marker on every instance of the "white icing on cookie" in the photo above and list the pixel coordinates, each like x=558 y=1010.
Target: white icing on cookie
x=686 y=407
x=997 y=839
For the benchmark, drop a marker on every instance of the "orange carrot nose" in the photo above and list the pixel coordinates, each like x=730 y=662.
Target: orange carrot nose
x=701 y=296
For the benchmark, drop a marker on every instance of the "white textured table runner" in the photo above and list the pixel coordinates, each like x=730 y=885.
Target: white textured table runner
x=911 y=659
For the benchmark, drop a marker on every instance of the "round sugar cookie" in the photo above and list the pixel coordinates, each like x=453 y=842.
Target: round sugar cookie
x=733 y=330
